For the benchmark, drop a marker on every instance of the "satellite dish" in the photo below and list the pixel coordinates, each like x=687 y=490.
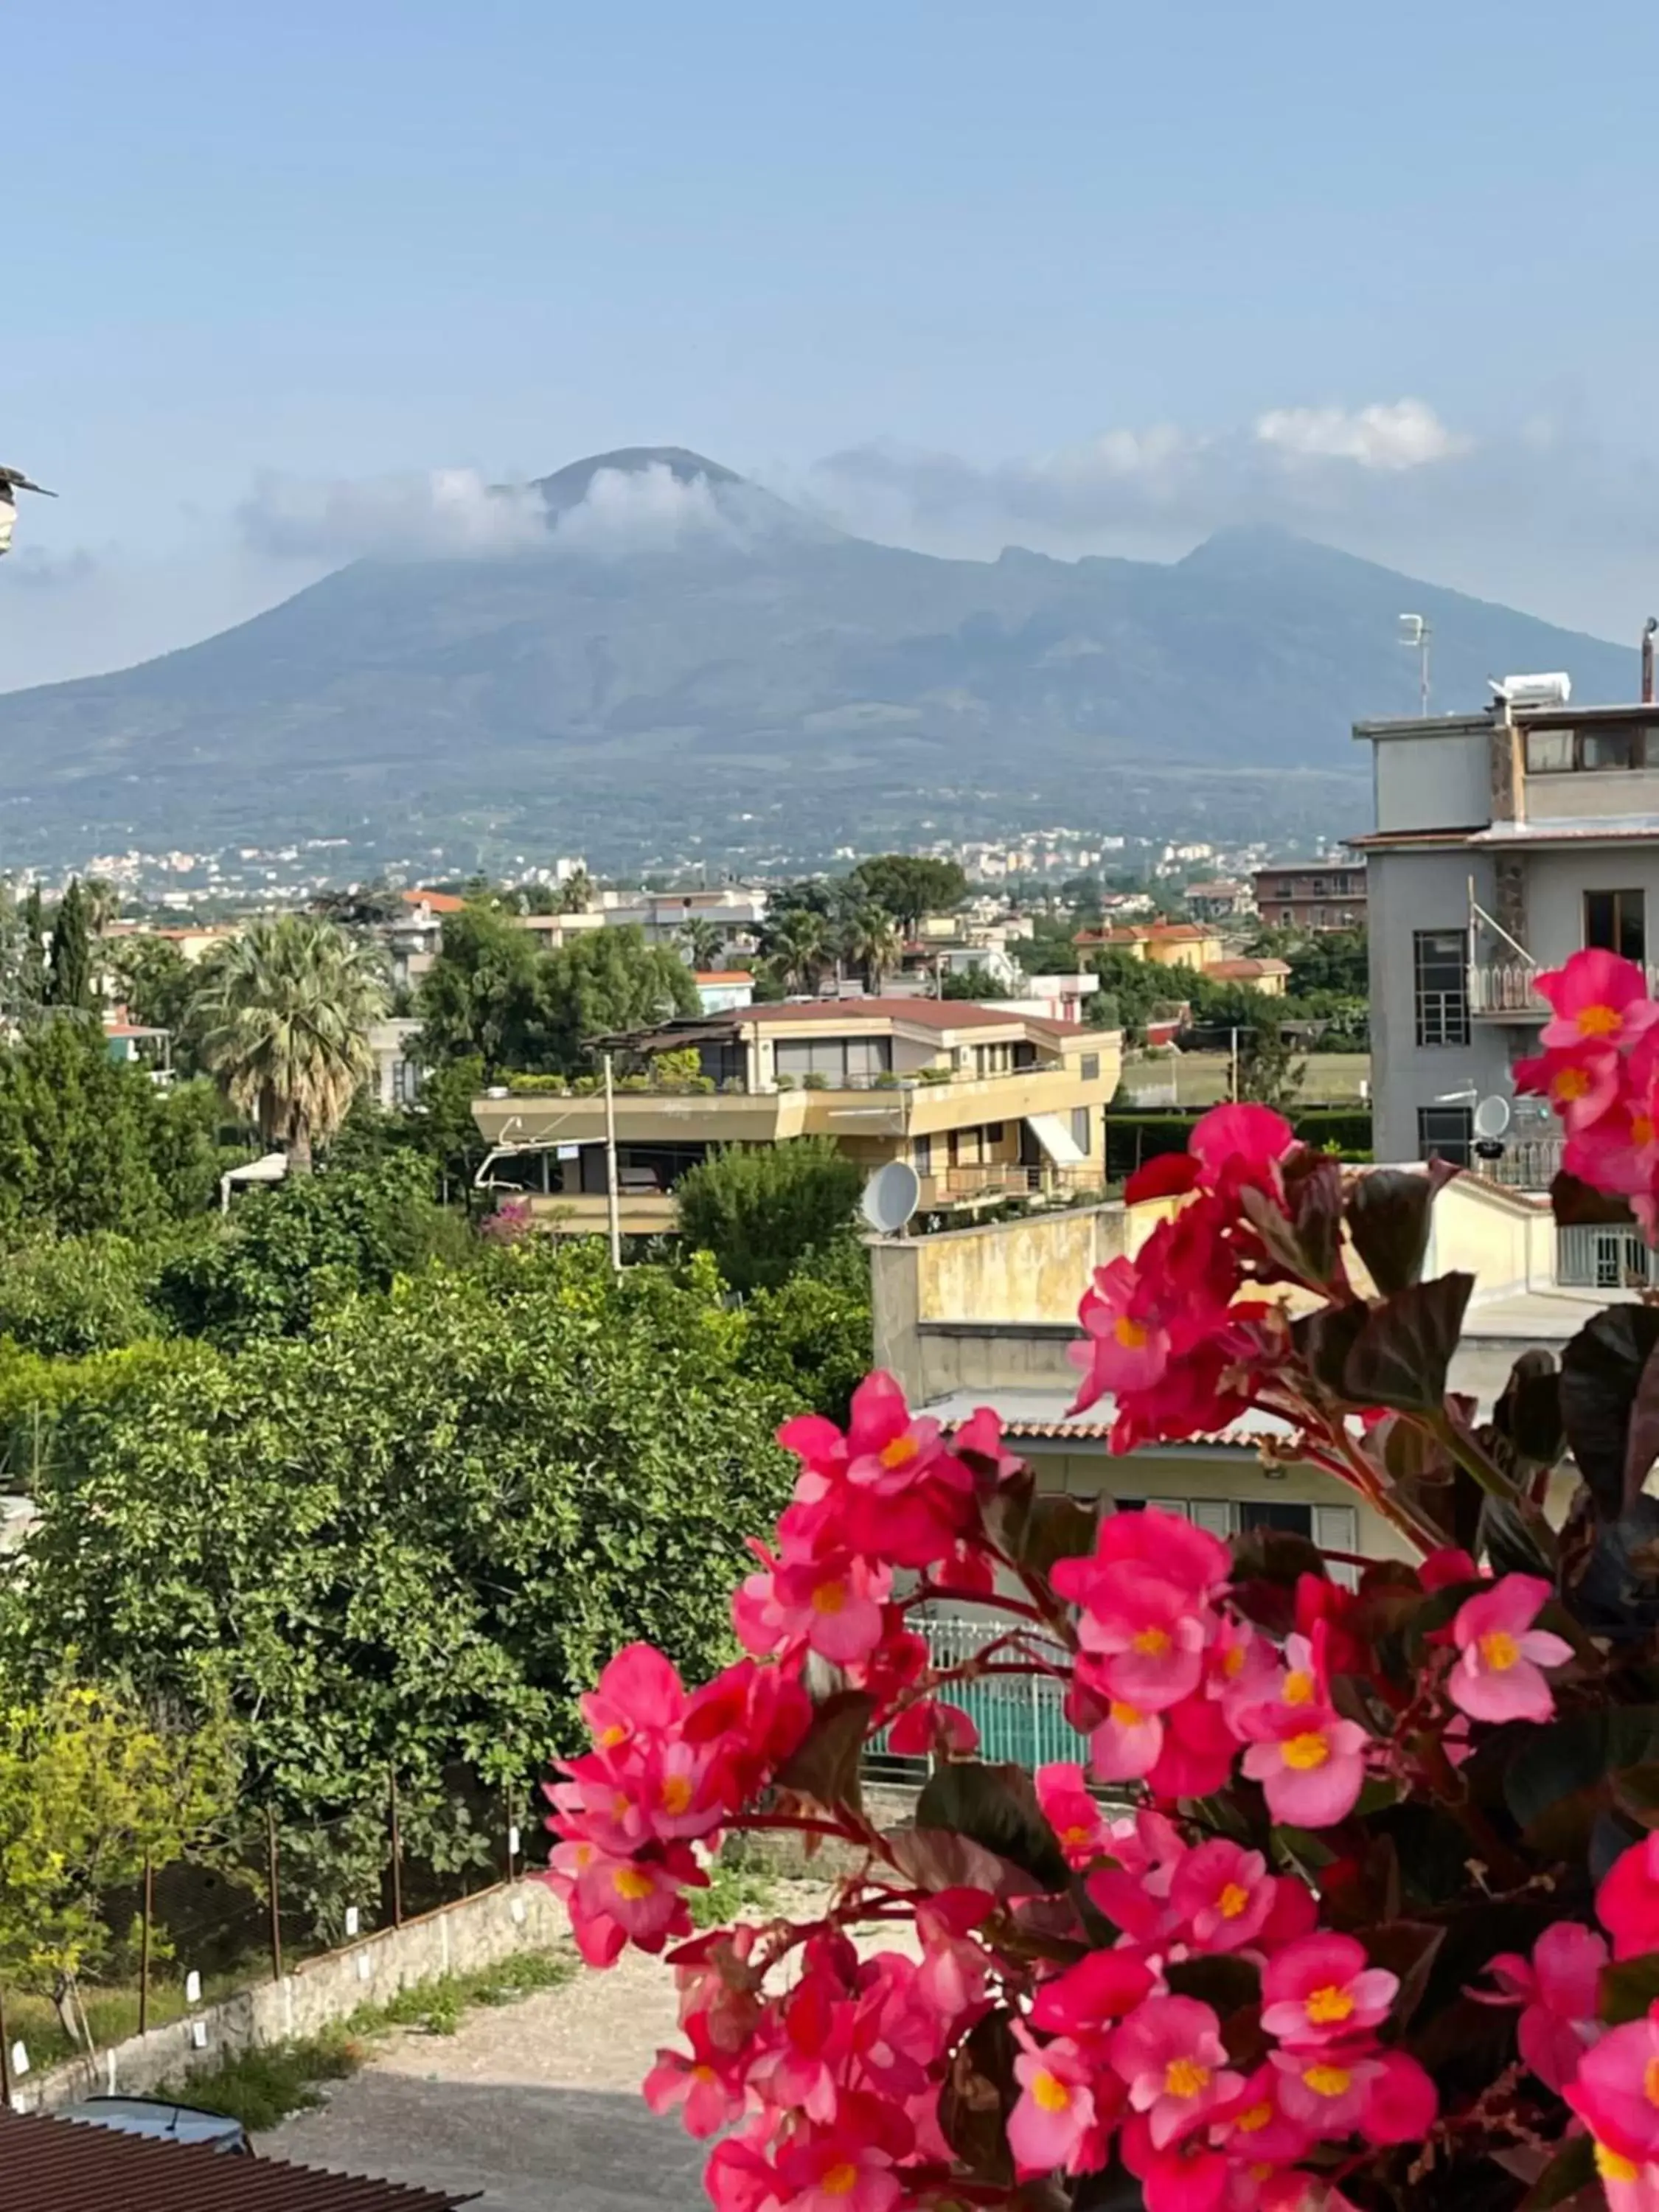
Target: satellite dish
x=890 y=1197
x=1492 y=1118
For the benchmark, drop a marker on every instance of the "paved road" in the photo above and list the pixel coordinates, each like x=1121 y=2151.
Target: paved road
x=534 y=2105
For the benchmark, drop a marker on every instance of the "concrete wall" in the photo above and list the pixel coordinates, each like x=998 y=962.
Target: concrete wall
x=523 y=1916
x=1409 y=891
x=1434 y=783
x=1556 y=883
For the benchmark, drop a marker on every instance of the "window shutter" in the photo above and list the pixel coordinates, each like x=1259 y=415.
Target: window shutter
x=1215 y=1515
x=1336 y=1527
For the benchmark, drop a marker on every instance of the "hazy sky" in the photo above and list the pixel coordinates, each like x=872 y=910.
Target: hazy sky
x=1064 y=272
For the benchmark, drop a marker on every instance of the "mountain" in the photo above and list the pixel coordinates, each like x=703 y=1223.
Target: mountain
x=686 y=649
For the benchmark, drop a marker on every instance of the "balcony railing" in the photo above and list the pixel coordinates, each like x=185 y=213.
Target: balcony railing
x=1527 y=1163
x=1510 y=987
x=1000 y=1179
x=1604 y=1258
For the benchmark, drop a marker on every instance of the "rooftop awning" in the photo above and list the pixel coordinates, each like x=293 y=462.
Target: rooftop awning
x=1056 y=1140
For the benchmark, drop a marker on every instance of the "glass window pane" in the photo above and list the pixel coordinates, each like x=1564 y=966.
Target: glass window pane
x=1549 y=752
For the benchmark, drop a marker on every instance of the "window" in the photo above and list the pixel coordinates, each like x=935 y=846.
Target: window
x=1442 y=986
x=1549 y=752
x=1290 y=1520
x=921 y=1155
x=1286 y=915
x=993 y=1134
x=840 y=1060
x=1612 y=748
x=1616 y=922
x=1447 y=1131
x=1089 y=1067
x=1080 y=1128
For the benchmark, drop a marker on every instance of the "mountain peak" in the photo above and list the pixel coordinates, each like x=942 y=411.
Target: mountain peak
x=568 y=487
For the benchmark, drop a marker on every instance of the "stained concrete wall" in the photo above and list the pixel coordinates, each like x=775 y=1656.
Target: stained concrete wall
x=523 y=1916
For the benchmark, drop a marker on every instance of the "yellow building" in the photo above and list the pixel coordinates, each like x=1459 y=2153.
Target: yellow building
x=1160 y=944
x=984 y=1104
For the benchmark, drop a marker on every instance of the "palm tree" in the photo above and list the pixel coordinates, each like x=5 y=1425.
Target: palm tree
x=799 y=944
x=283 y=1013
x=705 y=941
x=574 y=892
x=872 y=942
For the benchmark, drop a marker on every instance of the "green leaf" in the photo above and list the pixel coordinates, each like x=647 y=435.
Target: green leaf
x=1400 y=1357
x=1224 y=1981
x=1388 y=1213
x=1571 y=2170
x=1610 y=1404
x=1408 y=1949
x=824 y=1764
x=1629 y=1989
x=939 y=1858
x=996 y=1807
x=1326 y=1337
x=1515 y=1538
x=1528 y=1414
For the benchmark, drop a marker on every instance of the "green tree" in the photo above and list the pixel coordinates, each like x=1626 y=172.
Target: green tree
x=811 y=1335
x=975 y=982
x=574 y=893
x=480 y=996
x=604 y=981
x=31 y=963
x=69 y=1296
x=760 y=1210
x=414 y=1536
x=704 y=942
x=89 y=1787
x=872 y=942
x=910 y=886
x=283 y=1015
x=1269 y=1071
x=70 y=979
x=800 y=946
x=156 y=981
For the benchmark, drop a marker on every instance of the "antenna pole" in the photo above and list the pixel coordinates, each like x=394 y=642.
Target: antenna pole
x=612 y=1207
x=1423 y=667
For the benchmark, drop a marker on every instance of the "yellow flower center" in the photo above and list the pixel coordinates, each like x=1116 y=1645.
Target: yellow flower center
x=1302 y=1753
x=1599 y=1021
x=1299 y=1687
x=1326 y=2007
x=1232 y=1901
x=676 y=1792
x=1050 y=2092
x=1232 y=1661
x=1077 y=1836
x=632 y=1883
x=1651 y=2081
x=1127 y=1715
x=1499 y=1651
x=1129 y=1333
x=704 y=2074
x=1612 y=2165
x=1256 y=2119
x=609 y=1738
x=900 y=1452
x=828 y=1597
x=1152 y=1643
x=1185 y=2078
x=1641 y=1128
x=1328 y=2081
x=1571 y=1082
x=840 y=2180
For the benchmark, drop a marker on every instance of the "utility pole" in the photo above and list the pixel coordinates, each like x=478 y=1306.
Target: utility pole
x=612 y=1207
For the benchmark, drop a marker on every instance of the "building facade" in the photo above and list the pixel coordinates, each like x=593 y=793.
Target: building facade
x=985 y=1105
x=1312 y=895
x=1505 y=842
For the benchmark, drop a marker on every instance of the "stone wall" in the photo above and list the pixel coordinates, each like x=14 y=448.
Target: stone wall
x=522 y=1915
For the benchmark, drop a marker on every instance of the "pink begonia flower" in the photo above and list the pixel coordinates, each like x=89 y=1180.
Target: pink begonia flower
x=638 y=1692
x=931 y=1724
x=711 y=2097
x=1147 y=1634
x=1557 y=1991
x=1324 y=1989
x=1310 y=1765
x=1446 y=1568
x=1597 y=998
x=1126 y=1745
x=832 y=1606
x=1627 y=1902
x=1170 y=2054
x=1619 y=1151
x=951 y=1977
x=1077 y=1822
x=1198 y=1751
x=1247 y=1142
x=1581 y=1081
x=980 y=1437
x=1497 y=1677
x=833 y=2176
x=1328 y=2091
x=1184 y=2176
x=1628 y=2186
x=1167 y=1544
x=1126 y=1350
x=1086 y=2002
x=1224 y=1894
x=1300 y=2192
x=1056 y=2114
x=886 y=1450
x=1616 y=2090
x=1255 y=2126
x=1403 y=2101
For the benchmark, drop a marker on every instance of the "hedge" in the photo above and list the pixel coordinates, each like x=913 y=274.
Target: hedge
x=1132 y=1138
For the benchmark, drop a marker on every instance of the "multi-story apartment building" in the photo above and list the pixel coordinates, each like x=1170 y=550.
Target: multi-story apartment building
x=1505 y=842
x=1311 y=895
x=984 y=1104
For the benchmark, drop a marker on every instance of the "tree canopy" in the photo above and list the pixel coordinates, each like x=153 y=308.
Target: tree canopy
x=69 y=978
x=762 y=1209
x=910 y=886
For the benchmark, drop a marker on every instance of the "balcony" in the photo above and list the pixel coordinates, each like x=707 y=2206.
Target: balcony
x=1506 y=991
x=950 y=1189
x=1527 y=1163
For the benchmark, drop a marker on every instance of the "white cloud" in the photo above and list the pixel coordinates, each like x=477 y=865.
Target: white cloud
x=643 y=511
x=442 y=514
x=1400 y=434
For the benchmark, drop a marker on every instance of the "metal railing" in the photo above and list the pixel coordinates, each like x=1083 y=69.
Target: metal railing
x=1020 y=1718
x=1511 y=987
x=1604 y=1257
x=1527 y=1163
x=1007 y=1179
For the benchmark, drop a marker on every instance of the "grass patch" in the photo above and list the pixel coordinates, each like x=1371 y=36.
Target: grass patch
x=261 y=2087
x=733 y=1888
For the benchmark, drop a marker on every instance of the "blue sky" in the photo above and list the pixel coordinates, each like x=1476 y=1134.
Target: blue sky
x=1067 y=272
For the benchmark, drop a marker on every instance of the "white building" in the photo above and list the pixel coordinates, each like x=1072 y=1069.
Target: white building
x=1505 y=842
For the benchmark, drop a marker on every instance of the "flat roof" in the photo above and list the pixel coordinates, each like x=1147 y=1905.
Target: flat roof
x=927 y=1014
x=1542 y=716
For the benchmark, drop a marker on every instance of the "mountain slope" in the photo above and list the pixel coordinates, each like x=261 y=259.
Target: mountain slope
x=685 y=640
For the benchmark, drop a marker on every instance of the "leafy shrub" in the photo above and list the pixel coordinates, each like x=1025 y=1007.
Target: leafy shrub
x=760 y=1209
